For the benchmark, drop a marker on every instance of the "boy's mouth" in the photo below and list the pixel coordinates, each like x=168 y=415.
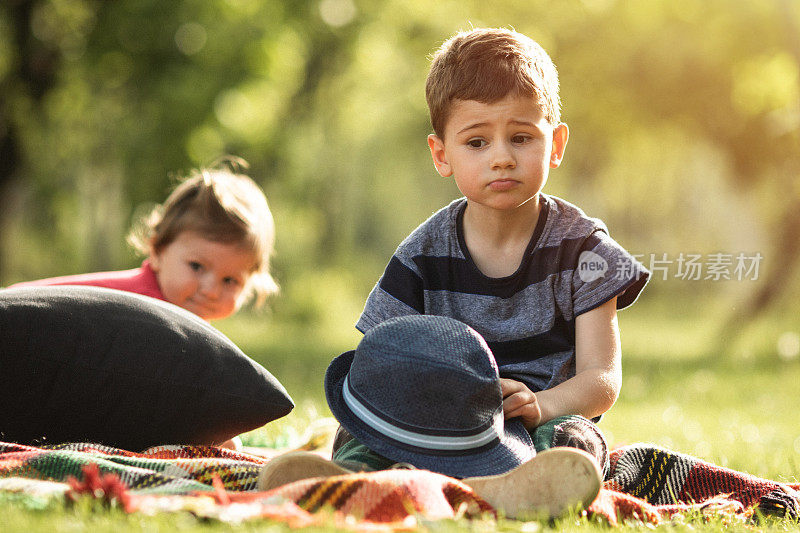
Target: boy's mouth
x=503 y=184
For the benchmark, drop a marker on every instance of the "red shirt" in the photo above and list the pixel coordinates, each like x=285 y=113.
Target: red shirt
x=140 y=280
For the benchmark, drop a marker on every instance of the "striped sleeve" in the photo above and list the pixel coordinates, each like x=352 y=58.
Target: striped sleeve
x=604 y=270
x=398 y=292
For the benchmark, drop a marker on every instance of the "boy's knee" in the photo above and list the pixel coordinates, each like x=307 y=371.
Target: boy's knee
x=573 y=431
x=353 y=455
x=341 y=438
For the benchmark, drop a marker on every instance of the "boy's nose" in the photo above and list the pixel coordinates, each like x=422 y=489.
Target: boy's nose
x=502 y=157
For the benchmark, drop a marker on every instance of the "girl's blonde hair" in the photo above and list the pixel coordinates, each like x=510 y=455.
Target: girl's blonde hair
x=221 y=205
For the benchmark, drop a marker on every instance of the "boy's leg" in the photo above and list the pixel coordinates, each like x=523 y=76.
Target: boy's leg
x=573 y=431
x=341 y=438
x=351 y=454
x=550 y=484
x=294 y=466
x=563 y=477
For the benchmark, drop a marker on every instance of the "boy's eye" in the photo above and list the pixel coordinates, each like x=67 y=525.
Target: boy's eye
x=520 y=139
x=231 y=282
x=195 y=266
x=476 y=143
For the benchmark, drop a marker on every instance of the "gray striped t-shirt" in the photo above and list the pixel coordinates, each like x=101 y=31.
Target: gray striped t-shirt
x=570 y=267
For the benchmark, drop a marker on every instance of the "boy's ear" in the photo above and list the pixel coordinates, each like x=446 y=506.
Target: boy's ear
x=439 y=157
x=560 y=138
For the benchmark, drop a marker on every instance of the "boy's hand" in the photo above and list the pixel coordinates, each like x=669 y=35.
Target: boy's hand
x=520 y=401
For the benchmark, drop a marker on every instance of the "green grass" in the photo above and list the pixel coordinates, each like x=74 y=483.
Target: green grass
x=738 y=409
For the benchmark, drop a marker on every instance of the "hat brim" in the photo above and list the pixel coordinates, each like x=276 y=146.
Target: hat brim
x=514 y=447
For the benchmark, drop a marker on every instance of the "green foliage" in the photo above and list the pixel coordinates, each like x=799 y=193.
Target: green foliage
x=684 y=122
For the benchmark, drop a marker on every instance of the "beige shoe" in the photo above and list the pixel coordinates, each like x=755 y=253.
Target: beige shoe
x=294 y=466
x=550 y=484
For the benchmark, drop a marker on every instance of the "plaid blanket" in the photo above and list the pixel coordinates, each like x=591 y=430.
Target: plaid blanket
x=646 y=483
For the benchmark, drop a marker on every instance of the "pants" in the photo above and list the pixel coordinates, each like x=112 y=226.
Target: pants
x=573 y=431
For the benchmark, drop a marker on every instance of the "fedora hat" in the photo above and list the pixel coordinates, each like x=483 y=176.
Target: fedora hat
x=425 y=390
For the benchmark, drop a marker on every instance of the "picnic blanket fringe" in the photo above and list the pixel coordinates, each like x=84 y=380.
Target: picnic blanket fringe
x=668 y=479
x=646 y=483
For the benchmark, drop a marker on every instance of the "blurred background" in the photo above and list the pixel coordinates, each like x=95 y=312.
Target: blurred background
x=685 y=139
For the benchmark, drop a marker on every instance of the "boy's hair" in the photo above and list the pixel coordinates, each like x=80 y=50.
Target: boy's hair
x=222 y=206
x=485 y=65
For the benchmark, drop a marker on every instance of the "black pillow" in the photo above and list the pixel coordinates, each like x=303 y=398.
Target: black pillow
x=101 y=365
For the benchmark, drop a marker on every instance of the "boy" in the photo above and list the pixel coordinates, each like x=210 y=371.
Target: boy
x=532 y=274
x=536 y=277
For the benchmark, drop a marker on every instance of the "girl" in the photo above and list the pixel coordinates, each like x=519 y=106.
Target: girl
x=208 y=248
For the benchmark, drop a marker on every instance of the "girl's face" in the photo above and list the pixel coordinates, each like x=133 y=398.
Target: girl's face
x=205 y=277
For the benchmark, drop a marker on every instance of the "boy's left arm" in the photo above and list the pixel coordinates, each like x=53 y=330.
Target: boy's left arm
x=598 y=375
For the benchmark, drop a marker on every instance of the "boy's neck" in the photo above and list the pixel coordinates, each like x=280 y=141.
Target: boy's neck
x=496 y=239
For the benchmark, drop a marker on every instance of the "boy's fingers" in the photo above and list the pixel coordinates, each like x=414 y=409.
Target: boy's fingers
x=517 y=400
x=529 y=415
x=511 y=413
x=511 y=402
x=510 y=386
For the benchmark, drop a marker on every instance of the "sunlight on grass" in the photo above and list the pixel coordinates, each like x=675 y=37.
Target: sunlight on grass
x=309 y=420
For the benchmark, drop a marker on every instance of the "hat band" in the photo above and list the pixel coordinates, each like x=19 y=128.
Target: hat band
x=412 y=438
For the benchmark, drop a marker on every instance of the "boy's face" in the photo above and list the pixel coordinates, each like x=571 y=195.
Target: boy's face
x=205 y=277
x=499 y=153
